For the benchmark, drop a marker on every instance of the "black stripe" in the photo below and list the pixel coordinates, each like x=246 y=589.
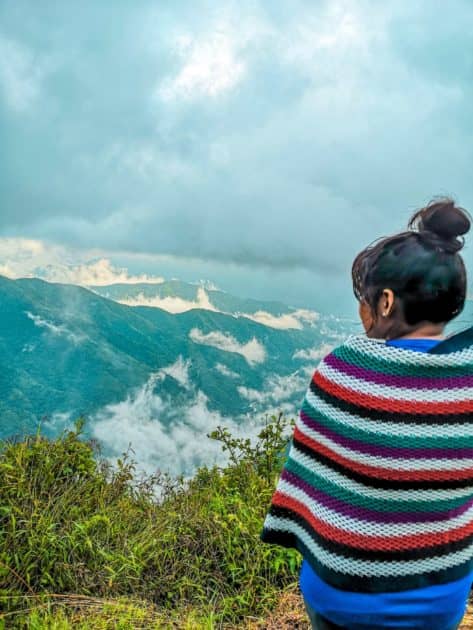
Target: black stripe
x=360 y=583
x=389 y=416
x=376 y=482
x=355 y=553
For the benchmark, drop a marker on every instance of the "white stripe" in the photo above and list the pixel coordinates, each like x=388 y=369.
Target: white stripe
x=363 y=490
x=370 y=528
x=397 y=429
x=392 y=463
x=369 y=568
x=390 y=392
x=378 y=349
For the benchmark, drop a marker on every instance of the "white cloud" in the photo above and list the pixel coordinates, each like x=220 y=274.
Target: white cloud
x=6 y=270
x=254 y=395
x=20 y=256
x=22 y=247
x=306 y=315
x=285 y=321
x=54 y=329
x=212 y=66
x=179 y=370
x=253 y=350
x=23 y=257
x=223 y=369
x=209 y=285
x=336 y=329
x=175 y=304
x=161 y=436
x=58 y=421
x=278 y=390
x=100 y=272
x=172 y=304
x=313 y=354
x=20 y=75
x=335 y=33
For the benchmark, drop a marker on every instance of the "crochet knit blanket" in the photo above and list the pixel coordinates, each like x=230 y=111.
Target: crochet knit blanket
x=377 y=489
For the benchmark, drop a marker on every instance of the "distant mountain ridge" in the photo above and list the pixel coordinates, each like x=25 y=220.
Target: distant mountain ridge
x=177 y=288
x=177 y=296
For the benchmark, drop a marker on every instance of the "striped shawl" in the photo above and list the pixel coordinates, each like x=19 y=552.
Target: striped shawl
x=377 y=489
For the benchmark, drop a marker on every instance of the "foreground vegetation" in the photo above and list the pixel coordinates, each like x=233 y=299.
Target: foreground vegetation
x=87 y=545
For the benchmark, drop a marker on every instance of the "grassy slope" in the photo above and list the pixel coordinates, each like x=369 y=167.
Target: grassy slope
x=84 y=544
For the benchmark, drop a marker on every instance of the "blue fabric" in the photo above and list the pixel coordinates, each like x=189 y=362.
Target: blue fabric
x=420 y=344
x=438 y=607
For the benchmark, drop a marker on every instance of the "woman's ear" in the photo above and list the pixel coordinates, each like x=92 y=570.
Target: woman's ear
x=387 y=301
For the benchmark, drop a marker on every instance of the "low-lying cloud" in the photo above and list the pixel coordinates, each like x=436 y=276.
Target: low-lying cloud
x=55 y=329
x=225 y=371
x=278 y=390
x=172 y=304
x=163 y=437
x=166 y=436
x=313 y=354
x=295 y=319
x=179 y=370
x=253 y=351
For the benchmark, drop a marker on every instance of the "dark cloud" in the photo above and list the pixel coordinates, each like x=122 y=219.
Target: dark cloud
x=283 y=134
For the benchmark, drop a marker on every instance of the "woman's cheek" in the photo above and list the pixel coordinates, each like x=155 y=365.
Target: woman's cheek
x=365 y=316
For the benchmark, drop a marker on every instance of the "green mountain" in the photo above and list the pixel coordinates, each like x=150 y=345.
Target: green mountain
x=65 y=351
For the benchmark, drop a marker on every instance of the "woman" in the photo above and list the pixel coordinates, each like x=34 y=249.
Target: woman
x=377 y=489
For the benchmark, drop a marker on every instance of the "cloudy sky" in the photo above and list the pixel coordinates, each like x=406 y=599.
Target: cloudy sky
x=256 y=144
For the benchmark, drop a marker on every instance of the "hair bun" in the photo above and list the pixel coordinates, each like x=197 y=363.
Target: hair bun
x=440 y=223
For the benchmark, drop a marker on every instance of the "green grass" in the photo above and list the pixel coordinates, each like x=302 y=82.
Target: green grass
x=84 y=543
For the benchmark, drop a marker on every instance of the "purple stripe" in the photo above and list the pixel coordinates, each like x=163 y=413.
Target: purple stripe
x=364 y=513
x=398 y=452
x=413 y=382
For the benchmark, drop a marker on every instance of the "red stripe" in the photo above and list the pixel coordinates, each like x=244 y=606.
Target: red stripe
x=374 y=543
x=379 y=472
x=388 y=404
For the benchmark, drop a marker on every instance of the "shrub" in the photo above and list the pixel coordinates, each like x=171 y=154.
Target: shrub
x=73 y=524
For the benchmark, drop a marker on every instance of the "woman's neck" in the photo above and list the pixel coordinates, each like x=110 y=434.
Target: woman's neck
x=426 y=331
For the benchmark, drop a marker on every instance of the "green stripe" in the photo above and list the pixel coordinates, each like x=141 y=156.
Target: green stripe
x=350 y=355
x=384 y=439
x=381 y=505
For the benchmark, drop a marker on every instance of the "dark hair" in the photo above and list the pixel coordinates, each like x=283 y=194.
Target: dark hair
x=421 y=266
